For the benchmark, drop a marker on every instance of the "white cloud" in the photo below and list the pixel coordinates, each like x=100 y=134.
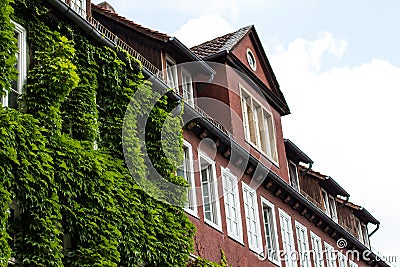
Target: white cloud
x=204 y=28
x=346 y=120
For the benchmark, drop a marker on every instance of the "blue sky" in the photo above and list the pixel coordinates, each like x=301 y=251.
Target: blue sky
x=338 y=64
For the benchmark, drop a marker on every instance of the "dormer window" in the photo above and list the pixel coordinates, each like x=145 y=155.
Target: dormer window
x=251 y=59
x=171 y=73
x=330 y=205
x=187 y=87
x=11 y=97
x=258 y=126
x=293 y=175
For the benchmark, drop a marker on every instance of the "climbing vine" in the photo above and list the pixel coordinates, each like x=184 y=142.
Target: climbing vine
x=62 y=166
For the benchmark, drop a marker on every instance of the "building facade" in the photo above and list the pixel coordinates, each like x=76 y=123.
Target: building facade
x=252 y=193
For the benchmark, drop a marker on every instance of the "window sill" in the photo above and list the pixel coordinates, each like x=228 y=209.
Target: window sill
x=237 y=240
x=275 y=163
x=213 y=225
x=192 y=213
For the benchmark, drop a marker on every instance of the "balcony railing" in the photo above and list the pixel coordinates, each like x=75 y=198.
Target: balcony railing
x=114 y=38
x=146 y=63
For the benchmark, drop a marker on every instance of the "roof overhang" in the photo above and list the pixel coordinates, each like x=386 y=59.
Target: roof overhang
x=296 y=154
x=333 y=187
x=365 y=216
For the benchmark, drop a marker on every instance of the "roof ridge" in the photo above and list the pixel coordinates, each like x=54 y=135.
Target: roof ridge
x=128 y=21
x=222 y=43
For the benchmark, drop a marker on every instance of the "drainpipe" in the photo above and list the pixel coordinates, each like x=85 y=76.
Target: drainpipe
x=376 y=229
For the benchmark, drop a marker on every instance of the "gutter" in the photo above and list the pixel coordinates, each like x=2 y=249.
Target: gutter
x=89 y=29
x=191 y=55
x=64 y=9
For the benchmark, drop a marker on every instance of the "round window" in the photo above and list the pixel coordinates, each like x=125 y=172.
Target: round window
x=251 y=59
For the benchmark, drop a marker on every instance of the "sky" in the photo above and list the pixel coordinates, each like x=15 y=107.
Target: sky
x=338 y=65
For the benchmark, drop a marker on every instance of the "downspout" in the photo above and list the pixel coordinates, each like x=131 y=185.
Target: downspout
x=376 y=229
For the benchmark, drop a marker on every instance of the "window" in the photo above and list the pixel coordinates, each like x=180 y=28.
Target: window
x=271 y=235
x=171 y=72
x=79 y=6
x=342 y=259
x=287 y=239
x=186 y=171
x=293 y=175
x=258 y=126
x=252 y=218
x=316 y=247
x=209 y=190
x=330 y=205
x=330 y=255
x=187 y=87
x=362 y=232
x=302 y=243
x=251 y=59
x=11 y=97
x=232 y=205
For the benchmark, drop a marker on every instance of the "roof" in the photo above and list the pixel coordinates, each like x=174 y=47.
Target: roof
x=220 y=44
x=294 y=153
x=333 y=187
x=362 y=213
x=144 y=30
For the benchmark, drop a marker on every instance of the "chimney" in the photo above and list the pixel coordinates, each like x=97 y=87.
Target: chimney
x=106 y=6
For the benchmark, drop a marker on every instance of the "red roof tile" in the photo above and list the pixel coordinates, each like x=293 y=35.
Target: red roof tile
x=131 y=24
x=219 y=44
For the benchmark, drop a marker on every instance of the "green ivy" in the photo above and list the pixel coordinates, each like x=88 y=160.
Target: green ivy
x=81 y=206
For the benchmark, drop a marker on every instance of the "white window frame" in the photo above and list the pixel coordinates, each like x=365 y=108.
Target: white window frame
x=212 y=188
x=330 y=205
x=294 y=183
x=188 y=172
x=262 y=125
x=79 y=6
x=363 y=233
x=252 y=218
x=187 y=87
x=316 y=247
x=342 y=259
x=330 y=255
x=302 y=245
x=21 y=62
x=232 y=205
x=272 y=252
x=287 y=239
x=171 y=72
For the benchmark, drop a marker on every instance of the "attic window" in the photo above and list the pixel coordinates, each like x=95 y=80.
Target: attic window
x=251 y=59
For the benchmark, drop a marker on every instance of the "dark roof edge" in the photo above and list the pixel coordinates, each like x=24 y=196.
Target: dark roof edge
x=191 y=55
x=364 y=215
x=289 y=145
x=333 y=187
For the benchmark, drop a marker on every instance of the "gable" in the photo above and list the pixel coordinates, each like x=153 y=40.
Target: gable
x=247 y=53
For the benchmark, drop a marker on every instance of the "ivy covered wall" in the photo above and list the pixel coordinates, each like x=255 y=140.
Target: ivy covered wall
x=77 y=205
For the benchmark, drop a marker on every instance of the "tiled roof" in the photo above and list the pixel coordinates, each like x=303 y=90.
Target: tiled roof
x=131 y=24
x=219 y=44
